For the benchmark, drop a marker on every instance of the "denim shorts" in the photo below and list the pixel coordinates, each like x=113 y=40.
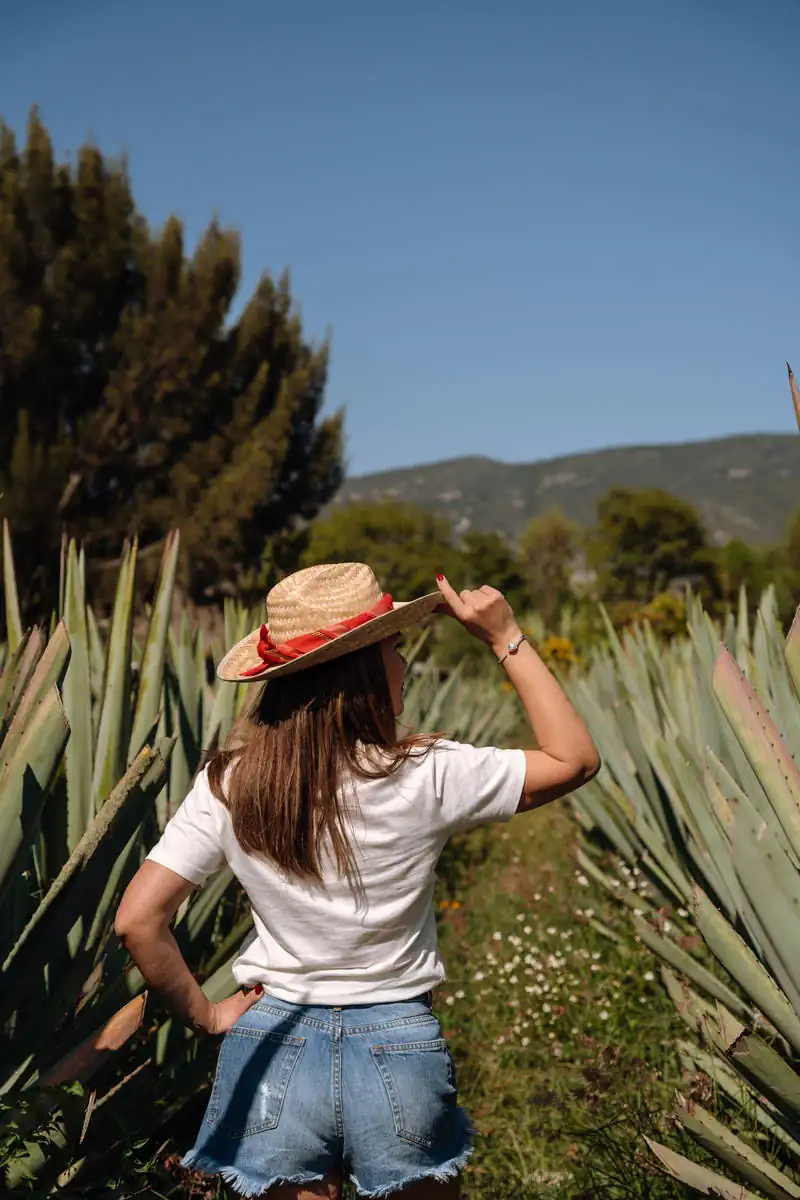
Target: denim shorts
x=302 y=1092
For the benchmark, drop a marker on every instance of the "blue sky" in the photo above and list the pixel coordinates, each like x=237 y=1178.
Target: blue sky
x=532 y=227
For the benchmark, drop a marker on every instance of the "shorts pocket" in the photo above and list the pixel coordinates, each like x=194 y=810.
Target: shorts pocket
x=419 y=1079
x=251 y=1080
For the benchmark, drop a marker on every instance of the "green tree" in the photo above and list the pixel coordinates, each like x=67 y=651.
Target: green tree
x=548 y=548
x=484 y=557
x=130 y=400
x=644 y=540
x=740 y=563
x=405 y=545
x=488 y=558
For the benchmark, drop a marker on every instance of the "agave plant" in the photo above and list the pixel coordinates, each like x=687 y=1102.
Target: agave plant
x=699 y=801
x=98 y=739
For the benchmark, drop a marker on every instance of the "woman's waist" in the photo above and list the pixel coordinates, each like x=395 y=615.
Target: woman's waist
x=347 y=1018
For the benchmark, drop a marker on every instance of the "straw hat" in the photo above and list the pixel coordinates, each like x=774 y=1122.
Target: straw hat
x=319 y=614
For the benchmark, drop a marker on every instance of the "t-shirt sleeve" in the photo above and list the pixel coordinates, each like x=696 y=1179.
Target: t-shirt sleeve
x=476 y=785
x=191 y=844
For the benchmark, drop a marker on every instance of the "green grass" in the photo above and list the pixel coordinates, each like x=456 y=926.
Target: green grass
x=561 y=1033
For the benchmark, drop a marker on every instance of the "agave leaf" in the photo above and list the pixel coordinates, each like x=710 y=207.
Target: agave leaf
x=13 y=619
x=79 y=887
x=725 y=1027
x=698 y=1178
x=759 y=738
x=11 y=671
x=795 y=394
x=770 y=1074
x=221 y=984
x=612 y=830
x=112 y=738
x=30 y=650
x=734 y=1152
x=743 y=1094
x=186 y=755
x=78 y=705
x=706 y=845
x=230 y=945
x=671 y=953
x=26 y=778
x=772 y=884
x=48 y=672
x=742 y=628
x=202 y=909
x=149 y=694
x=691 y=1008
x=221 y=715
x=85 y=1060
x=662 y=882
x=791 y=652
x=738 y=959
x=97 y=668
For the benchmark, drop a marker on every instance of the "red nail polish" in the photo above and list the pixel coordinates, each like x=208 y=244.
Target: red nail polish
x=259 y=989
x=440 y=576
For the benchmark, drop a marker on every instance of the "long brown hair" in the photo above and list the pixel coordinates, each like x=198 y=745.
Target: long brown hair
x=289 y=756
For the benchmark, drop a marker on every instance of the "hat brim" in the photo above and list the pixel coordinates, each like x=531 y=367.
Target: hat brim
x=244 y=655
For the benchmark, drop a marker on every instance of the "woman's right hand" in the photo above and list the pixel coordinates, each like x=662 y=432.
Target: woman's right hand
x=484 y=611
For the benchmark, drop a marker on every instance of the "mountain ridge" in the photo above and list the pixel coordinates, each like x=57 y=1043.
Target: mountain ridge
x=744 y=485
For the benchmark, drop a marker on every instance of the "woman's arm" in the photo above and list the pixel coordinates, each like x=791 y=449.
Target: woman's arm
x=142 y=923
x=567 y=757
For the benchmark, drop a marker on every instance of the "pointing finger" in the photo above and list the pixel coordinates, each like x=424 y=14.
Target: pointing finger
x=454 y=602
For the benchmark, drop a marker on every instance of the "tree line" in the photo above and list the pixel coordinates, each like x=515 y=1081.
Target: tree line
x=645 y=545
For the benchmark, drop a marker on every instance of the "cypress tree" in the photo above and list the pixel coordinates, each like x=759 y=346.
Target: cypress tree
x=130 y=401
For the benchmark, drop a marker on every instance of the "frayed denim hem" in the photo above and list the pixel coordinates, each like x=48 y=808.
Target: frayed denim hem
x=244 y=1184
x=447 y=1170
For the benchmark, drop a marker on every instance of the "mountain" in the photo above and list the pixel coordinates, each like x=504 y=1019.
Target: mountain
x=745 y=486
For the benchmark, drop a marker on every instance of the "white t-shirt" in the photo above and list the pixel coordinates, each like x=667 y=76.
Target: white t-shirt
x=326 y=944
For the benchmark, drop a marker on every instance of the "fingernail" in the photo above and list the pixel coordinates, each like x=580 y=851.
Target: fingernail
x=259 y=989
x=439 y=576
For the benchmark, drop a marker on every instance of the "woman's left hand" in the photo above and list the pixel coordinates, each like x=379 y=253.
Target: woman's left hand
x=226 y=1013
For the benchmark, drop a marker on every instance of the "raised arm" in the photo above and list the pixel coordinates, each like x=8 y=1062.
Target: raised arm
x=567 y=757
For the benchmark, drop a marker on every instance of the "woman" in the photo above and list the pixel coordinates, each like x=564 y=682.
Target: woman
x=333 y=1063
